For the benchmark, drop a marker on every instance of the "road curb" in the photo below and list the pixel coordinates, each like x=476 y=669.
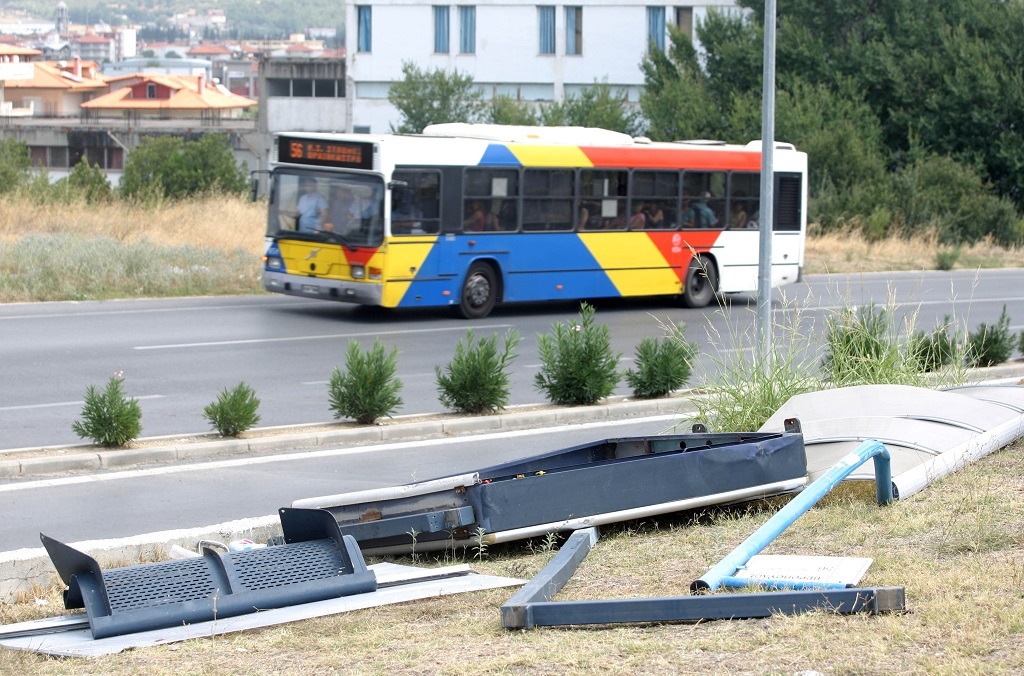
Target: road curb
x=43 y=461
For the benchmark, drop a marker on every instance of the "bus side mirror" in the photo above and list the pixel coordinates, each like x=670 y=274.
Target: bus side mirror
x=254 y=177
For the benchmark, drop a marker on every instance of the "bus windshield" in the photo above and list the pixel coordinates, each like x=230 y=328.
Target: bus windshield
x=342 y=207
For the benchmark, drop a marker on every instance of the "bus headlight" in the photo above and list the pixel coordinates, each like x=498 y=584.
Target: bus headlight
x=274 y=263
x=358 y=272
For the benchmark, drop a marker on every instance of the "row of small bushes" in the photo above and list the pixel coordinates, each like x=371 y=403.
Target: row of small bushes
x=865 y=339
x=578 y=367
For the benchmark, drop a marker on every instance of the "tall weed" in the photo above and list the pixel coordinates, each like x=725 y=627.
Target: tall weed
x=746 y=388
x=866 y=346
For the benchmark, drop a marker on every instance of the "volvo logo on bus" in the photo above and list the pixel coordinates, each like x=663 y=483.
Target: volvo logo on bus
x=313 y=254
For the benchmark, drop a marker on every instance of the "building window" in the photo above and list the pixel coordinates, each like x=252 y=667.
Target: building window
x=279 y=87
x=327 y=88
x=574 y=30
x=467 y=29
x=151 y=91
x=684 y=20
x=656 y=27
x=441 y=39
x=546 y=19
x=365 y=21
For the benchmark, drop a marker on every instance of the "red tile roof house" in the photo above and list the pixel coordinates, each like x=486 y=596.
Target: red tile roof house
x=212 y=52
x=15 y=64
x=57 y=88
x=168 y=97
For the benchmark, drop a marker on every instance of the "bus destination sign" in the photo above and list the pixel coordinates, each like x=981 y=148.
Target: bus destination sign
x=347 y=154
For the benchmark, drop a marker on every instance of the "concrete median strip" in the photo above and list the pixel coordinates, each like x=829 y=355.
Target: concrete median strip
x=28 y=462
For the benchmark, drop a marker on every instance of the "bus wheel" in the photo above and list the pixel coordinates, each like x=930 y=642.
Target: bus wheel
x=701 y=282
x=479 y=292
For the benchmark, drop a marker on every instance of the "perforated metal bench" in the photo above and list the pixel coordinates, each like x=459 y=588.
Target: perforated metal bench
x=316 y=562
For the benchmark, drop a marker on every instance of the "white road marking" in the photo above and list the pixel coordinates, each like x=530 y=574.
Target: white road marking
x=104 y=313
x=326 y=453
x=67 y=403
x=333 y=336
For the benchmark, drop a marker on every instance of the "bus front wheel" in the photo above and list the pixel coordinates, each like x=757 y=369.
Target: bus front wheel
x=701 y=282
x=479 y=291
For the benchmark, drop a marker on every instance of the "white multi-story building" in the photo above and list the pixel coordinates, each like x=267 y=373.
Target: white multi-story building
x=533 y=52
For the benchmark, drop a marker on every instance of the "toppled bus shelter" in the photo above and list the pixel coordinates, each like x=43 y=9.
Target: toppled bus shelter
x=925 y=433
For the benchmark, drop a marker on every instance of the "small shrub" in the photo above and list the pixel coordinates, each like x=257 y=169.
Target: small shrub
x=109 y=418
x=1020 y=343
x=945 y=259
x=663 y=365
x=936 y=350
x=988 y=345
x=578 y=366
x=477 y=379
x=88 y=181
x=368 y=388
x=234 y=411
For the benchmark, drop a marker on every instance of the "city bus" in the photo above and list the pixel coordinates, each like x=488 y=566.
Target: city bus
x=470 y=216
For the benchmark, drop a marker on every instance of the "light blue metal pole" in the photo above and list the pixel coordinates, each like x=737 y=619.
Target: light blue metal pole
x=808 y=497
x=767 y=208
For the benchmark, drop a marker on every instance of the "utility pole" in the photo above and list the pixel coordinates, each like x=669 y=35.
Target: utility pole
x=767 y=211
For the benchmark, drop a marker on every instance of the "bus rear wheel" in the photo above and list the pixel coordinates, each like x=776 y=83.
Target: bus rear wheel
x=701 y=282
x=479 y=292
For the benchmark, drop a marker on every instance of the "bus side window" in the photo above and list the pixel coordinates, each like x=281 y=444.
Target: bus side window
x=489 y=200
x=414 y=206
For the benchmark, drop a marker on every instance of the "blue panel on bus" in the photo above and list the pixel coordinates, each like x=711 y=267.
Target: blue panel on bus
x=534 y=267
x=499 y=155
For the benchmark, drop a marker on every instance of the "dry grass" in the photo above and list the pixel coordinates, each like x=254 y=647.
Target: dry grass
x=217 y=223
x=958 y=548
x=234 y=224
x=850 y=252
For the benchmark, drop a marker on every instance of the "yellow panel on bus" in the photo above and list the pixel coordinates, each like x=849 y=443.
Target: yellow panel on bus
x=618 y=253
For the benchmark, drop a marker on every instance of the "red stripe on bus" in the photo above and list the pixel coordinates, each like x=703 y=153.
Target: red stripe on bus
x=674 y=158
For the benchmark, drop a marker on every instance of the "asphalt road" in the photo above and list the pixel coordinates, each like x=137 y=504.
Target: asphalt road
x=177 y=354
x=119 y=504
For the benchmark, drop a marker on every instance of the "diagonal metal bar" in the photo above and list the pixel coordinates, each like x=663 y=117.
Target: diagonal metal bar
x=517 y=611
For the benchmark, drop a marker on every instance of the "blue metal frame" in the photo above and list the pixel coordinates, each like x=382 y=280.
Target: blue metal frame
x=723 y=572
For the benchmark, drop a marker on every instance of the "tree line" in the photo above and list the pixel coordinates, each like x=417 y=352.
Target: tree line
x=912 y=115
x=159 y=168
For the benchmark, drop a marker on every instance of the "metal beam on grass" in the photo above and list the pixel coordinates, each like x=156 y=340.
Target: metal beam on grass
x=532 y=607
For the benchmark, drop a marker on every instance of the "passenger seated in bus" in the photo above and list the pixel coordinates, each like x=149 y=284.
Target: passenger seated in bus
x=738 y=218
x=699 y=214
x=341 y=211
x=655 y=217
x=638 y=221
x=508 y=217
x=406 y=217
x=589 y=216
x=311 y=207
x=478 y=219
